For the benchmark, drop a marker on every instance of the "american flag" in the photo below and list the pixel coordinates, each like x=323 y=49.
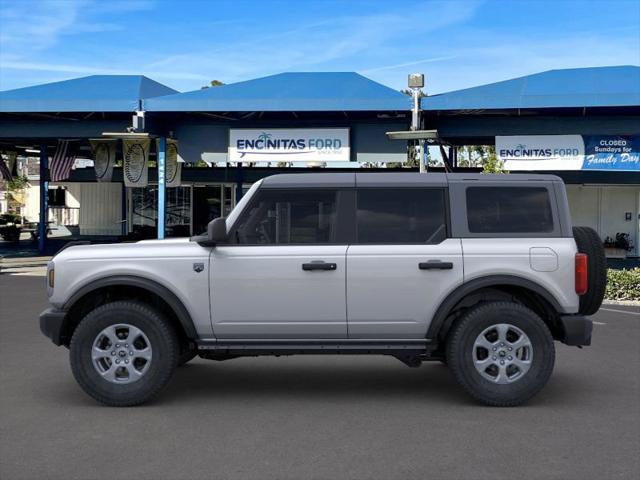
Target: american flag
x=62 y=161
x=5 y=173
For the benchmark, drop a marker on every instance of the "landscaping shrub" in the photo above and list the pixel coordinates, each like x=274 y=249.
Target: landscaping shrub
x=623 y=284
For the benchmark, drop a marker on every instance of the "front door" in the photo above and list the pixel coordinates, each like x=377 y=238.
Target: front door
x=283 y=274
x=402 y=264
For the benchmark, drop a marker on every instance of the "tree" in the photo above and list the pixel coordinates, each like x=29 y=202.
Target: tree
x=493 y=164
x=213 y=83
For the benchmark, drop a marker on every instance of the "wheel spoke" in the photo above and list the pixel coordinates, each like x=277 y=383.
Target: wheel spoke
x=98 y=353
x=502 y=329
x=133 y=373
x=523 y=341
x=110 y=374
x=144 y=353
x=523 y=365
x=482 y=341
x=110 y=333
x=133 y=333
x=502 y=376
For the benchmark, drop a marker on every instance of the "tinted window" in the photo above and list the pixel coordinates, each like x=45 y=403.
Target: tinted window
x=401 y=215
x=280 y=217
x=509 y=210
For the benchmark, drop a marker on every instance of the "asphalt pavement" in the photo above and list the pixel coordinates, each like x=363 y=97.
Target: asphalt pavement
x=315 y=417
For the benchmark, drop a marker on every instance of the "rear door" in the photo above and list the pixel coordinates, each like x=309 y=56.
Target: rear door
x=402 y=263
x=284 y=274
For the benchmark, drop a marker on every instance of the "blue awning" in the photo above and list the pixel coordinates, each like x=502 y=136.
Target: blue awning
x=577 y=87
x=288 y=92
x=96 y=93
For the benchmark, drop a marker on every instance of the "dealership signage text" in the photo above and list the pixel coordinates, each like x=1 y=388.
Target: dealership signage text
x=289 y=144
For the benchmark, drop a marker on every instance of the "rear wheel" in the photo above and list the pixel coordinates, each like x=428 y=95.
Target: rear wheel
x=123 y=353
x=502 y=353
x=588 y=242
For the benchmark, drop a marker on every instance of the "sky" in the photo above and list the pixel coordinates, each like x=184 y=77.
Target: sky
x=185 y=44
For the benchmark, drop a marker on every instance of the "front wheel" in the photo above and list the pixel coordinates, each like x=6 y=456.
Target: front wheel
x=502 y=353
x=123 y=353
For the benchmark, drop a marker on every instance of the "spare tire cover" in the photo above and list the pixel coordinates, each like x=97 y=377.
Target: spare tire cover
x=588 y=242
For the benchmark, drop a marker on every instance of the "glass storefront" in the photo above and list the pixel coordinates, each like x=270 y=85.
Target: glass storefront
x=188 y=209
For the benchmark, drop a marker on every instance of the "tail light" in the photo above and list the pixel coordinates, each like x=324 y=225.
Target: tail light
x=581 y=273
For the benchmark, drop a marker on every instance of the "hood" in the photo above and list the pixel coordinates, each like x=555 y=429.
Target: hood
x=127 y=250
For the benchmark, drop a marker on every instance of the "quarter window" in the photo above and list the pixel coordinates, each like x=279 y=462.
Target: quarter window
x=509 y=210
x=401 y=215
x=281 y=217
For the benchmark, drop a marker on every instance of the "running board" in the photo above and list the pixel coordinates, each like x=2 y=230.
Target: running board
x=316 y=347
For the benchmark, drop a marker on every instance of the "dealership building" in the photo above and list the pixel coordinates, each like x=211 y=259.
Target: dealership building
x=210 y=145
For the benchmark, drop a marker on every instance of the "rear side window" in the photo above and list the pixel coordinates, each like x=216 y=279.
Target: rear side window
x=509 y=210
x=401 y=215
x=281 y=217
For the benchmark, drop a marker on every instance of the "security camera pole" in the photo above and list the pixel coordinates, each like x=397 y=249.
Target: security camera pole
x=416 y=83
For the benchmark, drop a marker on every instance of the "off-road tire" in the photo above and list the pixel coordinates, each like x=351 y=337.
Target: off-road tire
x=163 y=342
x=459 y=352
x=588 y=242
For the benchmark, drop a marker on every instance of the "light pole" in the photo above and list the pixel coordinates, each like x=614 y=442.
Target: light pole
x=416 y=83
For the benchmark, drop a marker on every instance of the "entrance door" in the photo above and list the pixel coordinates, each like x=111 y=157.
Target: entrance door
x=402 y=265
x=283 y=276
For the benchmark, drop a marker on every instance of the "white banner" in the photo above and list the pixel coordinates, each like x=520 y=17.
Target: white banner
x=104 y=157
x=540 y=152
x=173 y=166
x=289 y=145
x=136 y=162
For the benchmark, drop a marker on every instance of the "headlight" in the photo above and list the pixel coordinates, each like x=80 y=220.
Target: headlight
x=51 y=276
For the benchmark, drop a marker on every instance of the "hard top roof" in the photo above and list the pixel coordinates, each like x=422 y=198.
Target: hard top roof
x=399 y=179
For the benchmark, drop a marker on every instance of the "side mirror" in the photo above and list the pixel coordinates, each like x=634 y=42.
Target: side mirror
x=217 y=230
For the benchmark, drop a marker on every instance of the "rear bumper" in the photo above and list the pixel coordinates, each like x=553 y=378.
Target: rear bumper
x=576 y=330
x=52 y=323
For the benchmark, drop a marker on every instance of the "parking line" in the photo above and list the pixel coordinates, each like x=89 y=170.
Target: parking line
x=598 y=323
x=620 y=311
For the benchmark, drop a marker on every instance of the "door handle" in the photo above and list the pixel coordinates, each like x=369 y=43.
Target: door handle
x=435 y=265
x=319 y=265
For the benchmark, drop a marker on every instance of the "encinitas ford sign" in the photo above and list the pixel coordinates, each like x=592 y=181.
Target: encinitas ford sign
x=541 y=152
x=569 y=152
x=289 y=145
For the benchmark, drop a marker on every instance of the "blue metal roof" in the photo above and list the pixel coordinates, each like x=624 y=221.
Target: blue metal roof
x=96 y=93
x=576 y=87
x=299 y=92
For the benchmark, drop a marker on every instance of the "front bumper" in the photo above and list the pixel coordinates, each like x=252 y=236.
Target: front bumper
x=575 y=330
x=52 y=324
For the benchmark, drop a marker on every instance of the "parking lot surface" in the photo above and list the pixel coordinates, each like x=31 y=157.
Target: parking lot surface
x=315 y=417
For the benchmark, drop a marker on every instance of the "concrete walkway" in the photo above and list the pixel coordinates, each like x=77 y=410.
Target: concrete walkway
x=10 y=265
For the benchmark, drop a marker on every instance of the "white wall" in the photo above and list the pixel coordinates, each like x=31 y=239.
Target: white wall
x=604 y=207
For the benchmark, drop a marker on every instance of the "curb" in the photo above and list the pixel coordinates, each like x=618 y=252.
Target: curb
x=629 y=303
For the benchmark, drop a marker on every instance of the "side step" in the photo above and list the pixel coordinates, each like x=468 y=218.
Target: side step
x=253 y=347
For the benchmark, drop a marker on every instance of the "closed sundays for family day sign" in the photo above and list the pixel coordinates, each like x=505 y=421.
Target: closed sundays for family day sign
x=289 y=145
x=569 y=152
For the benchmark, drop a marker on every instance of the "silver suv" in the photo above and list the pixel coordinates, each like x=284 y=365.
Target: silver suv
x=481 y=272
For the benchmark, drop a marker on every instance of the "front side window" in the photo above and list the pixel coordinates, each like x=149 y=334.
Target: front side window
x=509 y=210
x=401 y=215
x=281 y=217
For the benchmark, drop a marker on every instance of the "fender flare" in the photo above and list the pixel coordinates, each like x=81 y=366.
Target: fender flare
x=439 y=319
x=182 y=314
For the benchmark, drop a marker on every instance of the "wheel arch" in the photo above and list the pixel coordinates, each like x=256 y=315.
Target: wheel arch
x=525 y=291
x=102 y=290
